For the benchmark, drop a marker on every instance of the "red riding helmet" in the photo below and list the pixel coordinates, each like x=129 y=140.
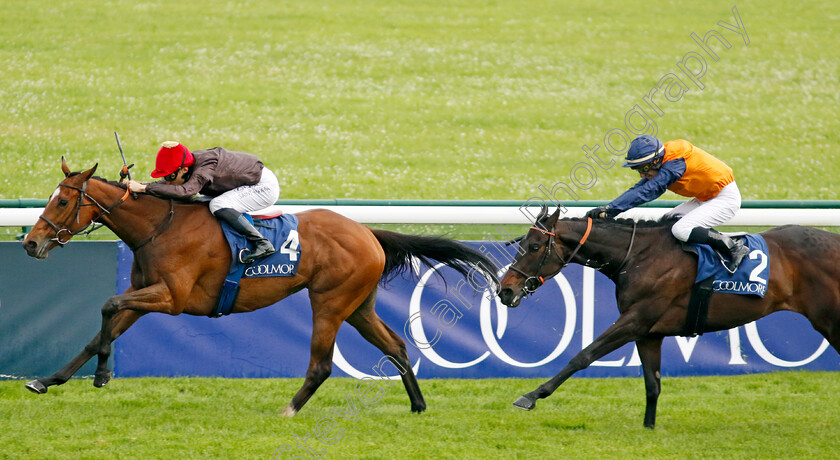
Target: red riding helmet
x=171 y=157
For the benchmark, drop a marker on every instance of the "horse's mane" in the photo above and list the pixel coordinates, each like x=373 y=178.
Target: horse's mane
x=101 y=179
x=124 y=186
x=664 y=221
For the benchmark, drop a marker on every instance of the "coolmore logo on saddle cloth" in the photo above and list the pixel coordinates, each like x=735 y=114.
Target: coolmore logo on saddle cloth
x=751 y=276
x=283 y=234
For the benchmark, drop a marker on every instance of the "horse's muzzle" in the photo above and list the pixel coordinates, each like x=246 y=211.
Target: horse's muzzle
x=35 y=249
x=508 y=298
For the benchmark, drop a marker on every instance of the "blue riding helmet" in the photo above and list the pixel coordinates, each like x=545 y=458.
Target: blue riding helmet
x=644 y=149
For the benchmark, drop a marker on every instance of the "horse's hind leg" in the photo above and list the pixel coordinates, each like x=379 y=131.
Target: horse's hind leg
x=375 y=331
x=828 y=324
x=121 y=322
x=324 y=330
x=330 y=308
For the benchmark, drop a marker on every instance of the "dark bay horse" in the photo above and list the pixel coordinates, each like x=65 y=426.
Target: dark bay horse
x=181 y=259
x=653 y=277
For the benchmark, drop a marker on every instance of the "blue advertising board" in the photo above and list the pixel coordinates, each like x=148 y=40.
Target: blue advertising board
x=454 y=331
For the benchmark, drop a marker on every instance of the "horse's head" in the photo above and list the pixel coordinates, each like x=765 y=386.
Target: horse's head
x=65 y=215
x=536 y=261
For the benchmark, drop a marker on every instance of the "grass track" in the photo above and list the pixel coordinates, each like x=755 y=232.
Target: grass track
x=778 y=415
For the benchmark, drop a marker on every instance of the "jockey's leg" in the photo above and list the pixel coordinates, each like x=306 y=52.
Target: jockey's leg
x=695 y=226
x=230 y=205
x=684 y=208
x=262 y=247
x=734 y=250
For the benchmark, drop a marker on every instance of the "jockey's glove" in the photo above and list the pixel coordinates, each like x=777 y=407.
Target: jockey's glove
x=601 y=212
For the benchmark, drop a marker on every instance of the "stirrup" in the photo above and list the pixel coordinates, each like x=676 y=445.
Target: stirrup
x=726 y=262
x=249 y=253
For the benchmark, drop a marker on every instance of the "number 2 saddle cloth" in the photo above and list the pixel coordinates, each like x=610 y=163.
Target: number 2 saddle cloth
x=751 y=276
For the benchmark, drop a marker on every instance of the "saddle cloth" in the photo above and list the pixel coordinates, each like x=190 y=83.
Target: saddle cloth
x=283 y=234
x=281 y=230
x=751 y=276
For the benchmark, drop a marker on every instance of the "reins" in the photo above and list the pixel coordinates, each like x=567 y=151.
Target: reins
x=164 y=224
x=629 y=248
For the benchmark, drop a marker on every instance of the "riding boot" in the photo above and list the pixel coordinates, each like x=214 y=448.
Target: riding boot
x=734 y=250
x=262 y=247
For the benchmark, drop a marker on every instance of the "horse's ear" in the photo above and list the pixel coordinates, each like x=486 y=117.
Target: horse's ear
x=543 y=213
x=64 y=167
x=89 y=173
x=553 y=219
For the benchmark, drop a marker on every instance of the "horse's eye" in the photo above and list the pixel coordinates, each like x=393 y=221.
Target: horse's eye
x=535 y=247
x=62 y=203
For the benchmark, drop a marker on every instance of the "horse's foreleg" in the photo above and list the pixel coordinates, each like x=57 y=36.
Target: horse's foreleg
x=121 y=322
x=650 y=353
x=155 y=298
x=624 y=330
x=324 y=330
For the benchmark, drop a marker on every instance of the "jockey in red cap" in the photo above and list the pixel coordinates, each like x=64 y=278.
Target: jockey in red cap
x=689 y=171
x=171 y=157
x=238 y=183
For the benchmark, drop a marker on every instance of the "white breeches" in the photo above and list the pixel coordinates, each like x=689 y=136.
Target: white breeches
x=710 y=213
x=249 y=198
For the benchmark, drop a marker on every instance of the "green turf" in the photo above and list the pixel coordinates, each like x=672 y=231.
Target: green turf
x=468 y=99
x=779 y=415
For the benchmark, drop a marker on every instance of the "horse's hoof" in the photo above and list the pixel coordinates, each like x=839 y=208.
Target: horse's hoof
x=524 y=403
x=288 y=412
x=418 y=408
x=36 y=387
x=100 y=380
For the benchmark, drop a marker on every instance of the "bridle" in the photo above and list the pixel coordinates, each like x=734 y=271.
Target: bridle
x=530 y=279
x=94 y=224
x=530 y=285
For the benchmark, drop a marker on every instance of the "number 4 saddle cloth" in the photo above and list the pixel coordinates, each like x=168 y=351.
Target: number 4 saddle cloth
x=751 y=276
x=282 y=231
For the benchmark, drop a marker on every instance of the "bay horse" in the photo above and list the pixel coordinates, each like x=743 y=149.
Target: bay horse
x=181 y=259
x=653 y=278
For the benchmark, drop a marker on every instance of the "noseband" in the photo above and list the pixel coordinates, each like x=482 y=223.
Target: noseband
x=79 y=204
x=529 y=278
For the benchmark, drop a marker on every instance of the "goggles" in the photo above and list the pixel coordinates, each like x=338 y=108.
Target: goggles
x=645 y=167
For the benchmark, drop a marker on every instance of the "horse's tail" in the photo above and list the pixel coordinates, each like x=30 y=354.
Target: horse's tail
x=400 y=249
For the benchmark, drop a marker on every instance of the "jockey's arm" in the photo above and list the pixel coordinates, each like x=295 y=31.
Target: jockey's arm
x=193 y=185
x=647 y=190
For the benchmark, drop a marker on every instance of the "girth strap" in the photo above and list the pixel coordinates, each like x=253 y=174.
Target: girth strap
x=698 y=308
